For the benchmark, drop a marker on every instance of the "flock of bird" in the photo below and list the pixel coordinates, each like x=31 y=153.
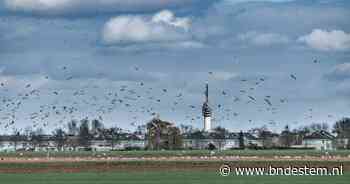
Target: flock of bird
x=139 y=100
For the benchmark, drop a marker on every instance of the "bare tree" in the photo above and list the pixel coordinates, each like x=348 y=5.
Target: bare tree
x=60 y=138
x=84 y=134
x=265 y=135
x=219 y=133
x=73 y=128
x=37 y=137
x=141 y=130
x=286 y=137
x=96 y=127
x=186 y=129
x=342 y=129
x=315 y=127
x=163 y=135
x=113 y=134
x=15 y=138
x=241 y=140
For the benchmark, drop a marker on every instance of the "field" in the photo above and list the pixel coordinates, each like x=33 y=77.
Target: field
x=157 y=172
x=163 y=178
x=195 y=153
x=162 y=167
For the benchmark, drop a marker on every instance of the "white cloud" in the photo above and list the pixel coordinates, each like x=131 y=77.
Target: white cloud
x=168 y=17
x=92 y=6
x=343 y=68
x=340 y=72
x=263 y=39
x=162 y=27
x=335 y=40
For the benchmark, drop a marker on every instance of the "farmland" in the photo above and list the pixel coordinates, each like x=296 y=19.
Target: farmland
x=195 y=153
x=162 y=178
x=153 y=167
x=138 y=172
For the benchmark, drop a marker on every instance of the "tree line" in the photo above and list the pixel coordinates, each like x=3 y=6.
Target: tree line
x=81 y=133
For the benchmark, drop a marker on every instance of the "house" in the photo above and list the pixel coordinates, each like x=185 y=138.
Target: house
x=319 y=140
x=251 y=140
x=129 y=141
x=198 y=140
x=71 y=143
x=342 y=141
x=13 y=143
x=123 y=142
x=206 y=143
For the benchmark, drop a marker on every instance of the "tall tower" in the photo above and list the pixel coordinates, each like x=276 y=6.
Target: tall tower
x=206 y=110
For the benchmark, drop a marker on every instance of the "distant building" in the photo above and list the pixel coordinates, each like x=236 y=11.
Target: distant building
x=207 y=141
x=343 y=141
x=319 y=140
x=125 y=142
x=251 y=141
x=204 y=140
x=169 y=137
x=22 y=143
x=71 y=143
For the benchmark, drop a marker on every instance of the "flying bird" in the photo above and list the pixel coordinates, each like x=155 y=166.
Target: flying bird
x=252 y=98
x=268 y=102
x=293 y=77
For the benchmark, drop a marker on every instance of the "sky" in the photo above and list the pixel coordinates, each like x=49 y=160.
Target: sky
x=267 y=62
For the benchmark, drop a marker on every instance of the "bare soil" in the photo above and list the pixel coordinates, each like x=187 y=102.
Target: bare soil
x=116 y=164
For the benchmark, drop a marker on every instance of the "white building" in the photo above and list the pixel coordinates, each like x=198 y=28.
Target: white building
x=320 y=140
x=231 y=141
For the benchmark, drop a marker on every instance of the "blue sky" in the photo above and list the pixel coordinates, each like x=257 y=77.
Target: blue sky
x=138 y=48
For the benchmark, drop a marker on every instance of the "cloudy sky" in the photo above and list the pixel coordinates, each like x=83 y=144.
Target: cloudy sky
x=124 y=61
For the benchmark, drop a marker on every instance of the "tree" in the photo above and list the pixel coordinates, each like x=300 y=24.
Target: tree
x=113 y=134
x=211 y=146
x=241 y=140
x=186 y=129
x=299 y=134
x=15 y=138
x=60 y=138
x=96 y=127
x=73 y=128
x=37 y=137
x=84 y=134
x=141 y=130
x=219 y=133
x=342 y=129
x=197 y=134
x=1 y=141
x=316 y=127
x=27 y=131
x=163 y=135
x=265 y=135
x=286 y=137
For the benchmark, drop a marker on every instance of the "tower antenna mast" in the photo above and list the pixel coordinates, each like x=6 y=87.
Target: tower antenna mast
x=207 y=93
